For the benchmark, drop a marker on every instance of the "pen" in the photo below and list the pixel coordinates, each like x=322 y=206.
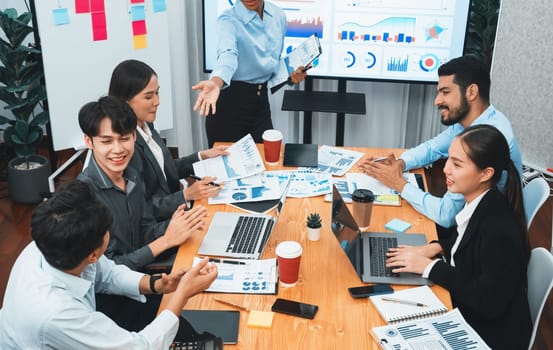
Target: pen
x=199 y=178
x=234 y=262
x=407 y=302
x=306 y=69
x=379 y=159
x=232 y=304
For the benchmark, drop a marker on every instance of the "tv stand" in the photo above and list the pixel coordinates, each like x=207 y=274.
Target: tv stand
x=309 y=101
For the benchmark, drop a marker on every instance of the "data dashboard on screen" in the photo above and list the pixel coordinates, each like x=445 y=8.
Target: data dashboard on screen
x=403 y=40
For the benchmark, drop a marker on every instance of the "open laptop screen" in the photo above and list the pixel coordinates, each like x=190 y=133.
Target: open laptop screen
x=343 y=225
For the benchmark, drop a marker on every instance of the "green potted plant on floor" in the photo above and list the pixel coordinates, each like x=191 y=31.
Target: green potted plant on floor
x=24 y=94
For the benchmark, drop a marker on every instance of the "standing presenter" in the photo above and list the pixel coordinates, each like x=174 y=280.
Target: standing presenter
x=234 y=99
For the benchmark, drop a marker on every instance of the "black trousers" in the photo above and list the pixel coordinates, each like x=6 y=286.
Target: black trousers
x=242 y=109
x=128 y=313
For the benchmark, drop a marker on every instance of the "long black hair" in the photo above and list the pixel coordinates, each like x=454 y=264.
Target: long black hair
x=129 y=78
x=487 y=147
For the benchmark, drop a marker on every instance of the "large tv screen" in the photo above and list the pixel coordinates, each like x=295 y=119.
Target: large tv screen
x=403 y=40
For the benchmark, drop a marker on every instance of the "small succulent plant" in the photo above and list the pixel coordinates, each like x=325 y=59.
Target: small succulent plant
x=314 y=220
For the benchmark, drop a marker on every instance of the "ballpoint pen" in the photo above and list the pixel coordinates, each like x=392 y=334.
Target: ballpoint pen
x=199 y=178
x=234 y=262
x=232 y=304
x=406 y=302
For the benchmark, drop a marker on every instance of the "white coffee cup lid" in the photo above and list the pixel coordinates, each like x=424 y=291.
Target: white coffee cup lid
x=272 y=135
x=288 y=249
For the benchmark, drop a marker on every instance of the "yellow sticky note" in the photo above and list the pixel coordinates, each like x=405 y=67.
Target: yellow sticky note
x=139 y=42
x=260 y=319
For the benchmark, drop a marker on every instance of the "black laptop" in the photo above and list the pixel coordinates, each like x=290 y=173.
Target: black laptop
x=367 y=250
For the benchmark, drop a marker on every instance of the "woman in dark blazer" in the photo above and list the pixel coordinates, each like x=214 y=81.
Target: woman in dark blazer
x=136 y=83
x=484 y=264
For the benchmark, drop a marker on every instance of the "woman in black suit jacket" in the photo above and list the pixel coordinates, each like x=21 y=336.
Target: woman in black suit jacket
x=485 y=262
x=136 y=83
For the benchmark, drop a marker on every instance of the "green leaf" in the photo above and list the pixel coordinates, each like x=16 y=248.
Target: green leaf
x=21 y=129
x=40 y=119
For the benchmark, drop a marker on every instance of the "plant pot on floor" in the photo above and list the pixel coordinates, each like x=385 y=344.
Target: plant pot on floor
x=28 y=186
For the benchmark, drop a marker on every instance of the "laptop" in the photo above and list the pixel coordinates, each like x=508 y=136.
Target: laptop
x=239 y=235
x=367 y=250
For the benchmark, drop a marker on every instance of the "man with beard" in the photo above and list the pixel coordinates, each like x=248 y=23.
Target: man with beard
x=463 y=100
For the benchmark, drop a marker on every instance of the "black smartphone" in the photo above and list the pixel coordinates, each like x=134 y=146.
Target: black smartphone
x=294 y=308
x=367 y=291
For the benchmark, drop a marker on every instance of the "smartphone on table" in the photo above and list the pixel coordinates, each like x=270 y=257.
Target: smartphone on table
x=367 y=291
x=294 y=308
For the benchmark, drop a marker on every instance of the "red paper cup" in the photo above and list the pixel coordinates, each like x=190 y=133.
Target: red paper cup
x=272 y=141
x=288 y=256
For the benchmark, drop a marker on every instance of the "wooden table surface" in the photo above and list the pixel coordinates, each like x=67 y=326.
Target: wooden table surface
x=325 y=274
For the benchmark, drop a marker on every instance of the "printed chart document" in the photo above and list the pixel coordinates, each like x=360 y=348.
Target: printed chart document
x=302 y=55
x=256 y=188
x=448 y=331
x=244 y=276
x=307 y=183
x=335 y=161
x=243 y=160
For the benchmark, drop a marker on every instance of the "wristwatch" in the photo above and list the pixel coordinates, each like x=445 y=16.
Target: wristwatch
x=153 y=279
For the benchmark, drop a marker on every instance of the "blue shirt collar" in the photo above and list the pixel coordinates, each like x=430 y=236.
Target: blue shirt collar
x=246 y=15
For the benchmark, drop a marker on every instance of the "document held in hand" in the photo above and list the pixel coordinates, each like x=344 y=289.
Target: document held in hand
x=302 y=55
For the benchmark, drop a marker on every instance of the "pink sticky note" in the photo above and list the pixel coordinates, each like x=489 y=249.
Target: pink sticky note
x=99 y=26
x=97 y=6
x=138 y=27
x=82 y=6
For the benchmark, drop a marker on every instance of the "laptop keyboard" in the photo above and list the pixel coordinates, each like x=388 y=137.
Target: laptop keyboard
x=378 y=248
x=245 y=235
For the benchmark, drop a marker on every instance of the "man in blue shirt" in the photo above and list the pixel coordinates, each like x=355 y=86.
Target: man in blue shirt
x=250 y=42
x=463 y=100
x=49 y=301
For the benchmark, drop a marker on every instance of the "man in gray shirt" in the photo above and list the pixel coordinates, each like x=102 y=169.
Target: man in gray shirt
x=136 y=239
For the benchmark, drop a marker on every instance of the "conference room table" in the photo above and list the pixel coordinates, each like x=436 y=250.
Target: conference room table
x=341 y=322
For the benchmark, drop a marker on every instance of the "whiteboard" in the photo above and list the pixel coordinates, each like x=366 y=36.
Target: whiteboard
x=78 y=69
x=521 y=77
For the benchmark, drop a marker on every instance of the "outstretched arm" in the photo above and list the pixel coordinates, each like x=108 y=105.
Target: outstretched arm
x=209 y=93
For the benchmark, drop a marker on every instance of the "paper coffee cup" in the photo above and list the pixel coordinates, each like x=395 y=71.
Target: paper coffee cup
x=272 y=141
x=288 y=257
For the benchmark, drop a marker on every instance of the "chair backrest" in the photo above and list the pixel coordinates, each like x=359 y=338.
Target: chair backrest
x=534 y=195
x=540 y=282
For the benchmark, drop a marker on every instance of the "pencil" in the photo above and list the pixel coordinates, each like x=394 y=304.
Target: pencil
x=232 y=304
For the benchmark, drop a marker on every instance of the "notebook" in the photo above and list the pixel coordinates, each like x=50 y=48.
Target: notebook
x=367 y=250
x=405 y=305
x=221 y=323
x=448 y=331
x=238 y=235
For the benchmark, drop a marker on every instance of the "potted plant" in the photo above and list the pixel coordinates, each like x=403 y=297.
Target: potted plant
x=481 y=29
x=22 y=90
x=314 y=226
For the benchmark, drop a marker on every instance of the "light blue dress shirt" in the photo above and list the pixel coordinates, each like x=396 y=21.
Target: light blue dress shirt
x=46 y=308
x=248 y=47
x=443 y=210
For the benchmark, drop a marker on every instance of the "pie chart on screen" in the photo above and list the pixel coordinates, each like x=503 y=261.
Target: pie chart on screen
x=429 y=62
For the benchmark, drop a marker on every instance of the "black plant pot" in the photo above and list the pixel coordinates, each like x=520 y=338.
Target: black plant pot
x=28 y=186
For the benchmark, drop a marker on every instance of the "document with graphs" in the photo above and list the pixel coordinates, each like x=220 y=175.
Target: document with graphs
x=243 y=160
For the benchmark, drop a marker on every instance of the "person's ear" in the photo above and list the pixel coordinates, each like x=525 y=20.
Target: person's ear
x=88 y=141
x=93 y=257
x=487 y=174
x=472 y=92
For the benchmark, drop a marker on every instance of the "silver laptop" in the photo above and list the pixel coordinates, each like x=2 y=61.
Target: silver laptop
x=238 y=235
x=367 y=250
